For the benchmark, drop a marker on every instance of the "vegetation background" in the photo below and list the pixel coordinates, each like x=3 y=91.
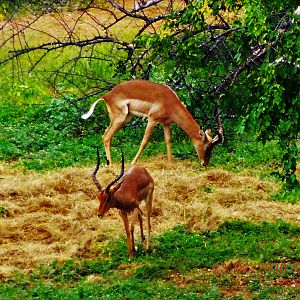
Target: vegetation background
x=228 y=231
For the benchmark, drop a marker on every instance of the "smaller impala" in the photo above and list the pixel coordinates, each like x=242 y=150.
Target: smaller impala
x=131 y=188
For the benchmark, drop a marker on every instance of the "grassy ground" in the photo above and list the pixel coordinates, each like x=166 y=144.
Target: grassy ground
x=215 y=234
x=231 y=263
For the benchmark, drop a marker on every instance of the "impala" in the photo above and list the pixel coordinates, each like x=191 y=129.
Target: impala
x=159 y=104
x=131 y=188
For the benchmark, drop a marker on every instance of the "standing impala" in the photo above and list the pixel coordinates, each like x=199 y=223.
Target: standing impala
x=131 y=188
x=159 y=104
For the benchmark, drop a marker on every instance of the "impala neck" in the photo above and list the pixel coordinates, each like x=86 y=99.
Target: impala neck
x=187 y=123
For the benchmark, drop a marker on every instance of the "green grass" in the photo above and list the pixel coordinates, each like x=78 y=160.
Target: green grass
x=42 y=135
x=49 y=135
x=182 y=264
x=285 y=195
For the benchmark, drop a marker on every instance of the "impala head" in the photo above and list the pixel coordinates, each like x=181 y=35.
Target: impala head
x=209 y=142
x=105 y=196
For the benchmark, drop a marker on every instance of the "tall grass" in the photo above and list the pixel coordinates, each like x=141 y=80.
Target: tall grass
x=60 y=73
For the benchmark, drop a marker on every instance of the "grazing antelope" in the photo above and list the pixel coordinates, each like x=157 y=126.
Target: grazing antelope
x=131 y=188
x=159 y=104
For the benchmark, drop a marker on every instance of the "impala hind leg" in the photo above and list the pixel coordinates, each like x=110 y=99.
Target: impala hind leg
x=168 y=140
x=140 y=217
x=148 y=214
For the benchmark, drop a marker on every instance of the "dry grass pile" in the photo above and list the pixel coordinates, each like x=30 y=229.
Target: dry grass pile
x=52 y=216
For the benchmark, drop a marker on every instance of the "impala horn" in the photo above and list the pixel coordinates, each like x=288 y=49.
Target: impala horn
x=95 y=172
x=220 y=137
x=118 y=177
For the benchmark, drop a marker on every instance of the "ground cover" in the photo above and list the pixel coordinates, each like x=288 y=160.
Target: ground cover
x=215 y=233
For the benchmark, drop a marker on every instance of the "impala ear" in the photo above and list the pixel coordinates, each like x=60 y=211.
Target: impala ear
x=208 y=135
x=202 y=135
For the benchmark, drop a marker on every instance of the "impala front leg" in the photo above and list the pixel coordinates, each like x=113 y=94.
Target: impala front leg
x=130 y=245
x=137 y=217
x=151 y=124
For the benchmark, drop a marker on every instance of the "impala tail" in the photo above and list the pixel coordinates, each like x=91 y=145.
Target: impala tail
x=90 y=112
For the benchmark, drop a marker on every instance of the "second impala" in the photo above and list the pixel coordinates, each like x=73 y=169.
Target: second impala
x=132 y=187
x=159 y=104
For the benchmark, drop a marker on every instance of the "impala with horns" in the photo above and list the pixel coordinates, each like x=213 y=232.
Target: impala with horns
x=130 y=189
x=159 y=104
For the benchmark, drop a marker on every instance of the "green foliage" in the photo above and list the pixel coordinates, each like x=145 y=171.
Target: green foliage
x=288 y=195
x=248 y=64
x=32 y=90
x=277 y=114
x=3 y=211
x=176 y=253
x=246 y=153
x=43 y=136
x=74 y=271
x=181 y=250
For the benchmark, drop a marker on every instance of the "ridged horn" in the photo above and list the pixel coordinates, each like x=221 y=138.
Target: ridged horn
x=95 y=172
x=118 y=177
x=220 y=137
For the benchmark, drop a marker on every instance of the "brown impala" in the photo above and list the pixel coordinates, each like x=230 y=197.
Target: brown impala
x=159 y=104
x=131 y=188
